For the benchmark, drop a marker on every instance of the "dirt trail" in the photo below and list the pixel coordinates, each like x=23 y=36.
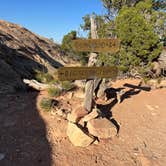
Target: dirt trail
x=29 y=136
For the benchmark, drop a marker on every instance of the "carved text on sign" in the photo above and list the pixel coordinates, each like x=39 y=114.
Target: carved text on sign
x=80 y=73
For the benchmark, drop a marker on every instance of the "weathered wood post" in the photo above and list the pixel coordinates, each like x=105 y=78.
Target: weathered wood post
x=89 y=87
x=93 y=73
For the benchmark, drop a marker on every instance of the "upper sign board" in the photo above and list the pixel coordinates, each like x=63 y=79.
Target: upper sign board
x=96 y=45
x=80 y=73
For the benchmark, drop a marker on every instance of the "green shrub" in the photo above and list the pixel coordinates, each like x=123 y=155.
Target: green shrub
x=67 y=85
x=54 y=92
x=46 y=104
x=43 y=77
x=139 y=42
x=146 y=79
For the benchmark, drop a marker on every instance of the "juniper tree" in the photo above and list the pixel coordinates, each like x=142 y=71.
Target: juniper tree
x=139 y=42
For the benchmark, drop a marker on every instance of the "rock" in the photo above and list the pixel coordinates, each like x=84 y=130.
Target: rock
x=79 y=94
x=79 y=83
x=162 y=59
x=82 y=123
x=156 y=68
x=61 y=113
x=152 y=83
x=162 y=84
x=101 y=92
x=101 y=128
x=22 y=53
x=76 y=115
x=88 y=100
x=149 y=107
x=96 y=142
x=156 y=84
x=90 y=116
x=77 y=136
x=70 y=95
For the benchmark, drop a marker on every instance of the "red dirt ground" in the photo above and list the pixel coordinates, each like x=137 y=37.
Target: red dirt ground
x=31 y=137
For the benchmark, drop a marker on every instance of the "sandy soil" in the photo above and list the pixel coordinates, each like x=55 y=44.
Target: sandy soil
x=31 y=137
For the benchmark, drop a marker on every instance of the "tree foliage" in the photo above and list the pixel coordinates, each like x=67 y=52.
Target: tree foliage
x=118 y=4
x=139 y=24
x=139 y=42
x=67 y=41
x=141 y=28
x=68 y=48
x=114 y=6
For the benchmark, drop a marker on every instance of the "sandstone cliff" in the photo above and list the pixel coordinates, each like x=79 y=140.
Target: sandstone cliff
x=22 y=53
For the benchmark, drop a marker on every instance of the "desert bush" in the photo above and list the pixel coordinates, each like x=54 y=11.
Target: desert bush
x=54 y=92
x=43 y=77
x=67 y=85
x=46 y=104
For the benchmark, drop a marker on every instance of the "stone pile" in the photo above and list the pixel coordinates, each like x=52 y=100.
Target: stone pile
x=85 y=128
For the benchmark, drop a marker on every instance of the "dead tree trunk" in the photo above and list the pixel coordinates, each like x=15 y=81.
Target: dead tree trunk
x=36 y=85
x=89 y=87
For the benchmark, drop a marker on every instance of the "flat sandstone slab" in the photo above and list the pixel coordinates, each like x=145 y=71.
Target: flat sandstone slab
x=101 y=128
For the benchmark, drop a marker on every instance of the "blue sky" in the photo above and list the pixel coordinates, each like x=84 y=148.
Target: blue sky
x=49 y=18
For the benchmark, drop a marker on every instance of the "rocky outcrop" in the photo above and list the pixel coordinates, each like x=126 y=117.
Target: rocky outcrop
x=22 y=53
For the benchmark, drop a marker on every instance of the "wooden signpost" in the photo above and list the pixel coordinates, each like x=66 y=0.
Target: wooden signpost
x=80 y=73
x=92 y=73
x=96 y=45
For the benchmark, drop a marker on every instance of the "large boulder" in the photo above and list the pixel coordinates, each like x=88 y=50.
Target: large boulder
x=76 y=114
x=91 y=115
x=77 y=136
x=101 y=128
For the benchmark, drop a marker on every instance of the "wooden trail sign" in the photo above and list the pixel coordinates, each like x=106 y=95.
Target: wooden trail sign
x=96 y=45
x=80 y=73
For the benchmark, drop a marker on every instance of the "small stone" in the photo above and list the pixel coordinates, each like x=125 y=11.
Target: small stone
x=79 y=94
x=79 y=83
x=76 y=115
x=70 y=95
x=77 y=136
x=101 y=128
x=162 y=84
x=90 y=116
x=2 y=156
x=61 y=113
x=149 y=107
x=82 y=123
x=96 y=142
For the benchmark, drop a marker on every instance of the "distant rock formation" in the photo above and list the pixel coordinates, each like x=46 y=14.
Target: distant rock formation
x=22 y=52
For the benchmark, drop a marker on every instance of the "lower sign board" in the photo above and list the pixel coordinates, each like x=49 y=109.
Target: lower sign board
x=81 y=73
x=96 y=45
